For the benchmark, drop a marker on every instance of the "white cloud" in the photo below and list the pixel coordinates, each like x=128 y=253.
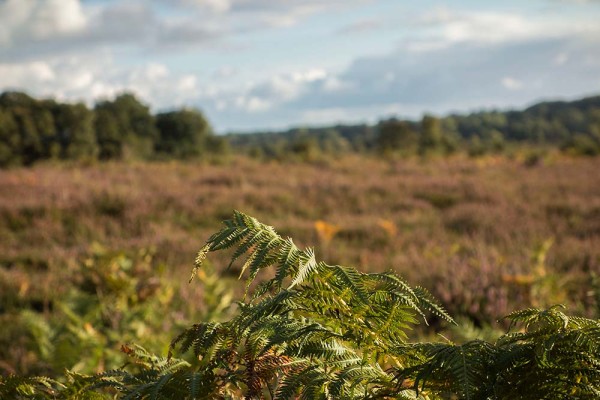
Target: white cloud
x=511 y=83
x=365 y=25
x=156 y=71
x=333 y=84
x=90 y=78
x=82 y=80
x=449 y=59
x=52 y=17
x=45 y=28
x=99 y=90
x=488 y=27
x=187 y=83
x=22 y=20
x=457 y=78
x=442 y=27
x=72 y=78
x=214 y=5
x=310 y=75
x=35 y=73
x=225 y=72
x=261 y=14
x=290 y=16
x=287 y=87
x=262 y=96
x=252 y=104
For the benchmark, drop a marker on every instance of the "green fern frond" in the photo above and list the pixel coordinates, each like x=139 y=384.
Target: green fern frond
x=289 y=261
x=18 y=387
x=334 y=315
x=427 y=302
x=307 y=265
x=317 y=331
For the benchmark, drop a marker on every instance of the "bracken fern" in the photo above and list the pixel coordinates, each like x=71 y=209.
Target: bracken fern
x=309 y=330
x=312 y=330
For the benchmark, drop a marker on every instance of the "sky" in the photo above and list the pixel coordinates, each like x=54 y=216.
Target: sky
x=272 y=64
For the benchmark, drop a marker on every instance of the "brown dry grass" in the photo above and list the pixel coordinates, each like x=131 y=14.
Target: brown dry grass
x=456 y=225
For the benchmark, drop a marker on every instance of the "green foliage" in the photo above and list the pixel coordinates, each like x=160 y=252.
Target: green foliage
x=572 y=126
x=549 y=356
x=182 y=134
x=113 y=298
x=108 y=136
x=396 y=136
x=304 y=148
x=430 y=139
x=309 y=330
x=75 y=131
x=476 y=146
x=582 y=145
x=35 y=130
x=9 y=139
x=312 y=329
x=16 y=387
x=305 y=143
x=125 y=128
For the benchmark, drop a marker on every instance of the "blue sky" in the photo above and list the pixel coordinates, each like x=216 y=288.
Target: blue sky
x=265 y=64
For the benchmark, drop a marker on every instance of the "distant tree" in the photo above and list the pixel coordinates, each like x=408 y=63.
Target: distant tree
x=141 y=132
x=450 y=143
x=217 y=145
x=430 y=139
x=108 y=135
x=304 y=147
x=333 y=143
x=35 y=125
x=496 y=141
x=396 y=136
x=582 y=145
x=451 y=140
x=182 y=134
x=276 y=149
x=137 y=133
x=10 y=140
x=361 y=137
x=476 y=146
x=43 y=121
x=75 y=131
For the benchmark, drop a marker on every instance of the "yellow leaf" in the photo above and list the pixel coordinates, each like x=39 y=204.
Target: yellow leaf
x=326 y=231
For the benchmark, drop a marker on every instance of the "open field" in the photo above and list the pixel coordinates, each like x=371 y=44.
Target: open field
x=465 y=228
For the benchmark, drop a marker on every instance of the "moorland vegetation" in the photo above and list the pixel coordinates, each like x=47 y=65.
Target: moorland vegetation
x=101 y=211
x=310 y=330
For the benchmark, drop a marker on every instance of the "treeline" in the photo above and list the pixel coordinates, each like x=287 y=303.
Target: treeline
x=123 y=128
x=574 y=127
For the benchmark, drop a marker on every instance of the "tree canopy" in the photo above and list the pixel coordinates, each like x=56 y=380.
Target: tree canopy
x=122 y=128
x=125 y=128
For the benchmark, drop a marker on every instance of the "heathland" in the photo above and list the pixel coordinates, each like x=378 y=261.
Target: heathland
x=103 y=210
x=485 y=235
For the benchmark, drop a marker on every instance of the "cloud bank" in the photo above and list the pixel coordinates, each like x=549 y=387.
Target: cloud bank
x=198 y=53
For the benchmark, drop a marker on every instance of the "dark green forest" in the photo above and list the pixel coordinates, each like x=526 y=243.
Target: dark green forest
x=574 y=127
x=32 y=130
x=124 y=128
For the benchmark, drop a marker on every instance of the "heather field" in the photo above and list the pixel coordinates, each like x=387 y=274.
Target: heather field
x=485 y=236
